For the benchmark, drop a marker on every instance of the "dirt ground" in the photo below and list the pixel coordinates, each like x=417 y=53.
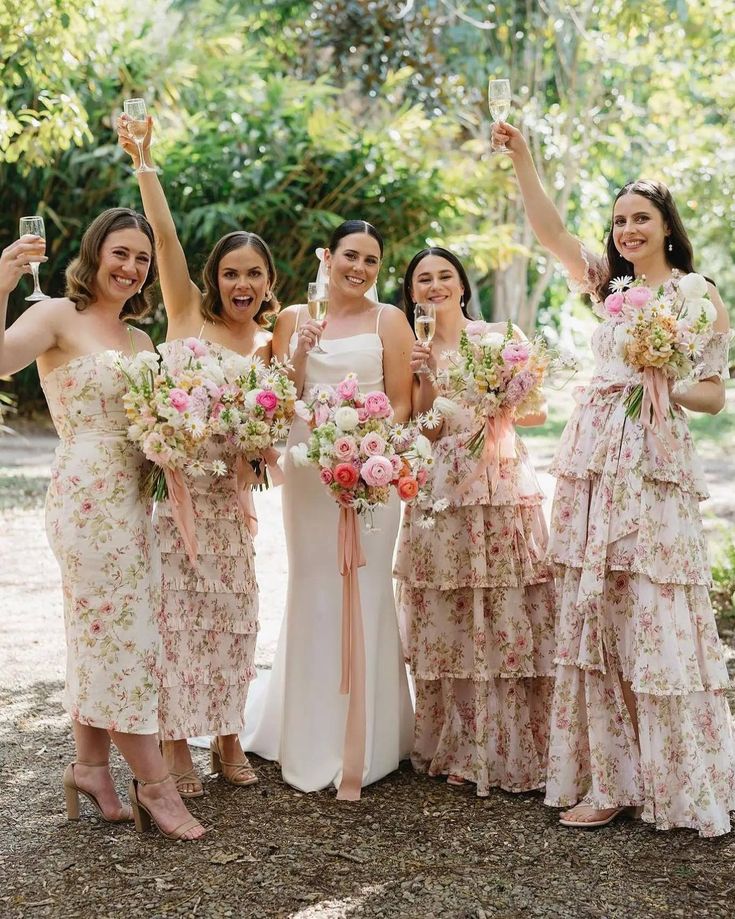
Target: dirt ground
x=412 y=847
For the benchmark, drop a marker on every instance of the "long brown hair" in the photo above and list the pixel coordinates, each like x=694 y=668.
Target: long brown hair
x=681 y=255
x=408 y=304
x=211 y=307
x=82 y=271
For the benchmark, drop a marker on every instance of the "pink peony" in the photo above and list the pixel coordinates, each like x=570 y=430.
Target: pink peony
x=377 y=470
x=179 y=399
x=326 y=476
x=362 y=414
x=345 y=475
x=614 y=303
x=519 y=387
x=196 y=346
x=516 y=352
x=372 y=445
x=267 y=400
x=475 y=330
x=378 y=405
x=347 y=389
x=638 y=296
x=345 y=448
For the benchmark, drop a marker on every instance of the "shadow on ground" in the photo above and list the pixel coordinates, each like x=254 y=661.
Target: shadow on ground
x=412 y=847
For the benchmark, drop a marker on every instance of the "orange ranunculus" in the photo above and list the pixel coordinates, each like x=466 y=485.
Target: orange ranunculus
x=345 y=475
x=408 y=488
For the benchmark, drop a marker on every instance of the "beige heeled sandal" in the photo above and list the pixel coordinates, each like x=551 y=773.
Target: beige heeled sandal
x=239 y=774
x=182 y=779
x=144 y=819
x=72 y=792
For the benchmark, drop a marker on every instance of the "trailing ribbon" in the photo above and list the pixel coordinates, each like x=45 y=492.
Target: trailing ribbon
x=499 y=444
x=245 y=478
x=271 y=457
x=350 y=557
x=656 y=403
x=182 y=510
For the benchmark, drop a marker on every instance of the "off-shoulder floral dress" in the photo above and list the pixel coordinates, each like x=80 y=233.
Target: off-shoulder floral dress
x=629 y=548
x=476 y=608
x=99 y=528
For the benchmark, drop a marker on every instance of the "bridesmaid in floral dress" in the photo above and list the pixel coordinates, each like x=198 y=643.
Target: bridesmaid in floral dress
x=98 y=525
x=475 y=599
x=640 y=718
x=209 y=619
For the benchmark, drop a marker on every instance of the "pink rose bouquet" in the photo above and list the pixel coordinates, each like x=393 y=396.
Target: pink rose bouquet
x=360 y=452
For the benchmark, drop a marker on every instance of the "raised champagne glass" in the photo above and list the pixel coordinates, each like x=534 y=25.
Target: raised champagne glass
x=317 y=302
x=137 y=128
x=499 y=98
x=35 y=227
x=424 y=322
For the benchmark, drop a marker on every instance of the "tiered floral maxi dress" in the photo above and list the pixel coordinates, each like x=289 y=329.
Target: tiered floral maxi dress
x=476 y=607
x=99 y=528
x=209 y=616
x=628 y=544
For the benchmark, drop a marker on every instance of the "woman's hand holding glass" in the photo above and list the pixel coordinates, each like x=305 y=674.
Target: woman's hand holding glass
x=307 y=336
x=16 y=260
x=423 y=361
x=137 y=149
x=505 y=135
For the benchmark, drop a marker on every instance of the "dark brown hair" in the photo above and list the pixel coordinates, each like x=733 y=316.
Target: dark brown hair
x=354 y=226
x=439 y=251
x=681 y=255
x=211 y=307
x=81 y=273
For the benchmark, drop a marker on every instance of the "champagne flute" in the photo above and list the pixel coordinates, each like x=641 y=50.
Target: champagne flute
x=317 y=302
x=424 y=322
x=498 y=98
x=35 y=227
x=137 y=127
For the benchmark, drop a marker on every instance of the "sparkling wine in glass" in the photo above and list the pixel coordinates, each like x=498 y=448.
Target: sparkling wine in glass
x=498 y=98
x=35 y=227
x=137 y=127
x=317 y=302
x=424 y=322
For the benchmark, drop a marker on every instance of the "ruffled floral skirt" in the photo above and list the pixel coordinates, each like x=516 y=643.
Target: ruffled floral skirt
x=476 y=607
x=630 y=553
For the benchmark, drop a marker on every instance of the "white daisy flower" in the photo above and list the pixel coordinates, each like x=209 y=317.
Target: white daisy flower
x=196 y=469
x=218 y=468
x=618 y=285
x=431 y=419
x=441 y=505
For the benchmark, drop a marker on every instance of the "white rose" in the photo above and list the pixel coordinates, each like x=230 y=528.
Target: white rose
x=423 y=446
x=346 y=418
x=693 y=286
x=621 y=339
x=446 y=407
x=694 y=308
x=492 y=340
x=300 y=455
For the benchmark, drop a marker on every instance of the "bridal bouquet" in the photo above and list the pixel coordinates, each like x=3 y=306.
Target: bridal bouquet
x=360 y=453
x=498 y=375
x=660 y=334
x=253 y=410
x=168 y=407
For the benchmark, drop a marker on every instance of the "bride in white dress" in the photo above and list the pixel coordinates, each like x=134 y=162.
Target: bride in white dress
x=302 y=720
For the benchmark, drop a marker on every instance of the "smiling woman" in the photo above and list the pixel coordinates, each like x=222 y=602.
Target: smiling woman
x=209 y=620
x=98 y=525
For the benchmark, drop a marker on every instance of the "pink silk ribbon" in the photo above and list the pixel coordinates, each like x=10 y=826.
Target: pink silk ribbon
x=182 y=510
x=499 y=444
x=656 y=402
x=245 y=478
x=350 y=557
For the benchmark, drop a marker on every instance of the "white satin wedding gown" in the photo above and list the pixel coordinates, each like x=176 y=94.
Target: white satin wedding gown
x=301 y=722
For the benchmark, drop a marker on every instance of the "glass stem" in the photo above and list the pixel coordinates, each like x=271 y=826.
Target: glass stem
x=36 y=282
x=141 y=164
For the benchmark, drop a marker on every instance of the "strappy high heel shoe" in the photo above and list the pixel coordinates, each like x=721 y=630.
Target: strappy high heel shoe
x=239 y=774
x=72 y=792
x=182 y=779
x=144 y=819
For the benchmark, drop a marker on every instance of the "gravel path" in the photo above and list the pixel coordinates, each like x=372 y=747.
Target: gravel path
x=412 y=847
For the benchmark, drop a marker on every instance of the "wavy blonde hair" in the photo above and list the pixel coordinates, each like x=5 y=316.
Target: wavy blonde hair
x=82 y=271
